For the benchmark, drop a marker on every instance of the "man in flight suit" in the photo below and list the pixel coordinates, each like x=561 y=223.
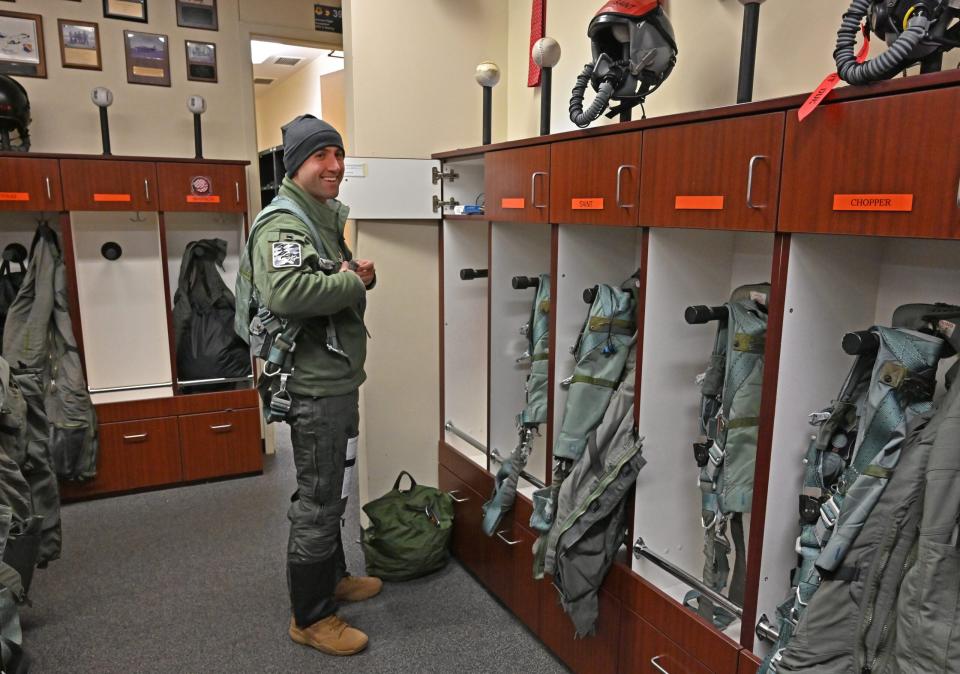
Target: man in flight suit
x=298 y=282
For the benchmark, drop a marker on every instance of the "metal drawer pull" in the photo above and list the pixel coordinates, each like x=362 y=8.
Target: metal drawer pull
x=236 y=183
x=753 y=164
x=653 y=661
x=49 y=189
x=455 y=499
x=221 y=427
x=533 y=189
x=619 y=183
x=138 y=436
x=146 y=188
x=500 y=535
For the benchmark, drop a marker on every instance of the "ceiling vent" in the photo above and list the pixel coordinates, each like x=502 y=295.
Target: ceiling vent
x=287 y=61
x=263 y=80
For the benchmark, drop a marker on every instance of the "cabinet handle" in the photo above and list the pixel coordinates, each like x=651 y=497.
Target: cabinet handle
x=500 y=535
x=236 y=184
x=146 y=188
x=533 y=189
x=222 y=428
x=455 y=499
x=49 y=188
x=654 y=661
x=135 y=438
x=753 y=164
x=620 y=171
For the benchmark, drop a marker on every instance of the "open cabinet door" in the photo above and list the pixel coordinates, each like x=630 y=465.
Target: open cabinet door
x=390 y=189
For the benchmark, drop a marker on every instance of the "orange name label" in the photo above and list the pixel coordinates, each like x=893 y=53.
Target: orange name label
x=14 y=196
x=112 y=197
x=699 y=203
x=513 y=203
x=873 y=202
x=194 y=199
x=588 y=204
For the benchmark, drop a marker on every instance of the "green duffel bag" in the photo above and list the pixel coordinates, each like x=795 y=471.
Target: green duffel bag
x=409 y=532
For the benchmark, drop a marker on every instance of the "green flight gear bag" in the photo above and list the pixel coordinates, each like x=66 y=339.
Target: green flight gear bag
x=409 y=532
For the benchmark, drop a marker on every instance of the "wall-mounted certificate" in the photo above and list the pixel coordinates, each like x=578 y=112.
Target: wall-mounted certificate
x=79 y=44
x=201 y=61
x=148 y=58
x=197 y=14
x=129 y=10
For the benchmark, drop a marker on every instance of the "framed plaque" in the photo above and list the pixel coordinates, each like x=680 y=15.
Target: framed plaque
x=197 y=14
x=148 y=58
x=201 y=61
x=21 y=45
x=129 y=10
x=79 y=44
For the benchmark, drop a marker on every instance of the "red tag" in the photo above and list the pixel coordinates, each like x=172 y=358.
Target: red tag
x=831 y=81
x=587 y=204
x=14 y=196
x=538 y=26
x=192 y=199
x=513 y=203
x=698 y=203
x=873 y=202
x=112 y=197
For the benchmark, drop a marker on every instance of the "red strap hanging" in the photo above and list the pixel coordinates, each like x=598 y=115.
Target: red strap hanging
x=538 y=26
x=820 y=93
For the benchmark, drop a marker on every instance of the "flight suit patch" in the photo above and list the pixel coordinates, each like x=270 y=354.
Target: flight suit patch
x=287 y=254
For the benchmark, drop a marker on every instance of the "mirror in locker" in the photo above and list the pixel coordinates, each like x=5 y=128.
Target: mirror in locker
x=203 y=257
x=837 y=287
x=520 y=306
x=465 y=307
x=122 y=300
x=703 y=353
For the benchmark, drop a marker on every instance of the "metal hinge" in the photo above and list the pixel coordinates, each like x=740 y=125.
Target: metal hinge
x=439 y=175
x=439 y=204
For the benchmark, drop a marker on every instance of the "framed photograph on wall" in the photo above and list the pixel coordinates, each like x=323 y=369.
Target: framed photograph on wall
x=201 y=61
x=79 y=44
x=129 y=10
x=148 y=58
x=21 y=45
x=197 y=14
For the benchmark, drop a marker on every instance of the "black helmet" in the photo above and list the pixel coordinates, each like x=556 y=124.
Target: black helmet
x=14 y=115
x=634 y=51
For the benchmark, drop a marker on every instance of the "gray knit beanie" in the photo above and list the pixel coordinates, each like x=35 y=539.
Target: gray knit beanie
x=302 y=137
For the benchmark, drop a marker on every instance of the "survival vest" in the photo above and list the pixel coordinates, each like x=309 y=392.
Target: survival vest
x=203 y=316
x=731 y=391
x=272 y=338
x=537 y=331
x=850 y=465
x=601 y=354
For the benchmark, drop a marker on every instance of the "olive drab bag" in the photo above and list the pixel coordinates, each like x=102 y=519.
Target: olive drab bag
x=10 y=281
x=863 y=470
x=409 y=532
x=203 y=317
x=534 y=413
x=601 y=352
x=729 y=419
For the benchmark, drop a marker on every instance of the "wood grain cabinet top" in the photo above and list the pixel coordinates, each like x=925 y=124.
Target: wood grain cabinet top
x=518 y=185
x=29 y=184
x=722 y=174
x=596 y=181
x=104 y=185
x=884 y=166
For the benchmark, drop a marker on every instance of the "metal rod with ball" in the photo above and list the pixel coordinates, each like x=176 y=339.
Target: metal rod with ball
x=103 y=98
x=546 y=54
x=748 y=49
x=197 y=105
x=487 y=76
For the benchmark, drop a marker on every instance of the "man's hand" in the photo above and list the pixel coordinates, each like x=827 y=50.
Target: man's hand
x=366 y=271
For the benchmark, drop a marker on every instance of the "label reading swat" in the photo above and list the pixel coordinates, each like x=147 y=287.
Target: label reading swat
x=873 y=202
x=588 y=204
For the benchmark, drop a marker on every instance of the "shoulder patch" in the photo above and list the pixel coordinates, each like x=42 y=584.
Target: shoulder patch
x=287 y=254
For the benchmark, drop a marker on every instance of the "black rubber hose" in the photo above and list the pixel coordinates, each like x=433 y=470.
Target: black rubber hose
x=577 y=115
x=889 y=63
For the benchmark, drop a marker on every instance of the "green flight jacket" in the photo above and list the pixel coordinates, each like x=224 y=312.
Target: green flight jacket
x=290 y=284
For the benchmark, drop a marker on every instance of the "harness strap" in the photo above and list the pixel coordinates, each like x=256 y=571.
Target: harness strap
x=613 y=325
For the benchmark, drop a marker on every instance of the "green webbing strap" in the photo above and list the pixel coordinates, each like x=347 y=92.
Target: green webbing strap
x=539 y=356
x=743 y=422
x=595 y=381
x=616 y=325
x=749 y=343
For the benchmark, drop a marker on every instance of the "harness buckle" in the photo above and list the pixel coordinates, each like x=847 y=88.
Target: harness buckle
x=818 y=418
x=701 y=452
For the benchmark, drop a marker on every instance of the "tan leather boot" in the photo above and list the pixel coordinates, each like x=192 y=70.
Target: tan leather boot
x=330 y=635
x=357 y=588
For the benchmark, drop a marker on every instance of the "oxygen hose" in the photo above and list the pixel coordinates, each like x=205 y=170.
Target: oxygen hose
x=605 y=92
x=890 y=62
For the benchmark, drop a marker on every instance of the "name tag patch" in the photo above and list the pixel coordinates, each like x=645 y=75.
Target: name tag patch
x=286 y=254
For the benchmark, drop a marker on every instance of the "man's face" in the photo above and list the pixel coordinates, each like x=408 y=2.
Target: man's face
x=322 y=173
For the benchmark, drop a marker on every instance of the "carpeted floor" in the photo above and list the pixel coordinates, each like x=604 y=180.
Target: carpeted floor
x=192 y=580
